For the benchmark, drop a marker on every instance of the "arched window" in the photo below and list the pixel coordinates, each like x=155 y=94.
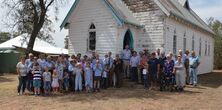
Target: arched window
x=174 y=43
x=91 y=45
x=205 y=48
x=209 y=49
x=200 y=47
x=184 y=42
x=193 y=43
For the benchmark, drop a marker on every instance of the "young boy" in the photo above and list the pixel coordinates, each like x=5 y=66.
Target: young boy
x=47 y=81
x=98 y=72
x=105 y=76
x=66 y=81
x=145 y=76
x=37 y=77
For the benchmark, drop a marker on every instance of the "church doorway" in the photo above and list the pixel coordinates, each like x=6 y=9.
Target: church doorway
x=128 y=39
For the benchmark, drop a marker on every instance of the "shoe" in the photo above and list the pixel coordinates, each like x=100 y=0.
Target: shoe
x=18 y=94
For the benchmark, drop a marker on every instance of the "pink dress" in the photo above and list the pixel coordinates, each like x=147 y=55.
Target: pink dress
x=55 y=82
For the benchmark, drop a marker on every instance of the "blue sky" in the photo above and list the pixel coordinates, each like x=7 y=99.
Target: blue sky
x=204 y=8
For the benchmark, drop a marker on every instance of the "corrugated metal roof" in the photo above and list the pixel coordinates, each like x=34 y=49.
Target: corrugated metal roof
x=175 y=8
x=39 y=46
x=169 y=7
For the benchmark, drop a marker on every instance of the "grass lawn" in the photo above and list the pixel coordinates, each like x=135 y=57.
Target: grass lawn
x=206 y=96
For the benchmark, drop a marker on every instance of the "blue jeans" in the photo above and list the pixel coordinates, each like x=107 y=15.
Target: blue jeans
x=193 y=76
x=22 y=83
x=145 y=79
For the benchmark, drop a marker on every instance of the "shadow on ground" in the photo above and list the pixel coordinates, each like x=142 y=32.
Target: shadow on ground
x=213 y=80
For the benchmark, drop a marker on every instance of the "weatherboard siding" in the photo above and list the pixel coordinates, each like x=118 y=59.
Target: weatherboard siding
x=149 y=15
x=93 y=11
x=206 y=65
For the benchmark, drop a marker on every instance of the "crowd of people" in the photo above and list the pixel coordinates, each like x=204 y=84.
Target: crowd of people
x=47 y=75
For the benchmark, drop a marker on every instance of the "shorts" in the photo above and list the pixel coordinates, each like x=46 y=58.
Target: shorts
x=97 y=78
x=47 y=85
x=37 y=83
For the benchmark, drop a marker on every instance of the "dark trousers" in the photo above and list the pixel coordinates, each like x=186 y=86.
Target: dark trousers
x=119 y=78
x=104 y=83
x=142 y=76
x=22 y=83
x=145 y=79
x=30 y=82
x=134 y=73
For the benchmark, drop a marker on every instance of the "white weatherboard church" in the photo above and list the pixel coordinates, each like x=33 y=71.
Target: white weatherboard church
x=108 y=25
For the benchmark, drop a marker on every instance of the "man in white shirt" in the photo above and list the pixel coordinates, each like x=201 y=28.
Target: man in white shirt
x=126 y=55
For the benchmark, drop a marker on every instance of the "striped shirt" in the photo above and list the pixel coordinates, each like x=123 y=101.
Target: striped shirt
x=37 y=74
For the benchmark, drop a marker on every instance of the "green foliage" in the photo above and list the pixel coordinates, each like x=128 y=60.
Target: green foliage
x=4 y=36
x=216 y=26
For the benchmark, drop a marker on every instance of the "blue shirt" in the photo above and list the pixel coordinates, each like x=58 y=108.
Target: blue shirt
x=153 y=64
x=29 y=64
x=134 y=61
x=42 y=63
x=194 y=62
x=98 y=70
x=108 y=61
x=126 y=54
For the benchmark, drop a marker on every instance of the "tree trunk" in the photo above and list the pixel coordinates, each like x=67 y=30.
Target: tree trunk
x=34 y=33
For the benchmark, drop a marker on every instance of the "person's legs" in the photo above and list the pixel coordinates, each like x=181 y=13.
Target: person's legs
x=145 y=77
x=125 y=69
x=76 y=83
x=177 y=79
x=191 y=76
x=80 y=82
x=24 y=82
x=128 y=69
x=139 y=75
x=194 y=77
x=114 y=79
x=19 y=85
x=187 y=75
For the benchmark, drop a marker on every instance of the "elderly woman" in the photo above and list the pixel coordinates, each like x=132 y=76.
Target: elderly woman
x=168 y=68
x=179 y=70
x=22 y=71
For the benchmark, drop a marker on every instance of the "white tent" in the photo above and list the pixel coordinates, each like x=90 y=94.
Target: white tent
x=39 y=46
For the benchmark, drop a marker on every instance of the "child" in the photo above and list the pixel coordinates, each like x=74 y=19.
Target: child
x=55 y=81
x=47 y=81
x=145 y=75
x=105 y=77
x=66 y=80
x=37 y=77
x=98 y=72
x=88 y=77
x=78 y=79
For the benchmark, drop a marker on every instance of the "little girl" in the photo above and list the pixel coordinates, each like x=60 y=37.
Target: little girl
x=55 y=81
x=88 y=77
x=78 y=79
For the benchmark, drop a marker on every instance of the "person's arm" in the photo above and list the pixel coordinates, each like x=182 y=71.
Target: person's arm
x=180 y=66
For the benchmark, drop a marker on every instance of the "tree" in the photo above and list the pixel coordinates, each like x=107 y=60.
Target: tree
x=31 y=16
x=66 y=42
x=4 y=36
x=216 y=26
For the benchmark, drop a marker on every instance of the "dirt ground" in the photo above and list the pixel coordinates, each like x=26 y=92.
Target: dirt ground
x=206 y=96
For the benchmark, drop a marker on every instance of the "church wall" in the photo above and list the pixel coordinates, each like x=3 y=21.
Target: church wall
x=180 y=30
x=87 y=12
